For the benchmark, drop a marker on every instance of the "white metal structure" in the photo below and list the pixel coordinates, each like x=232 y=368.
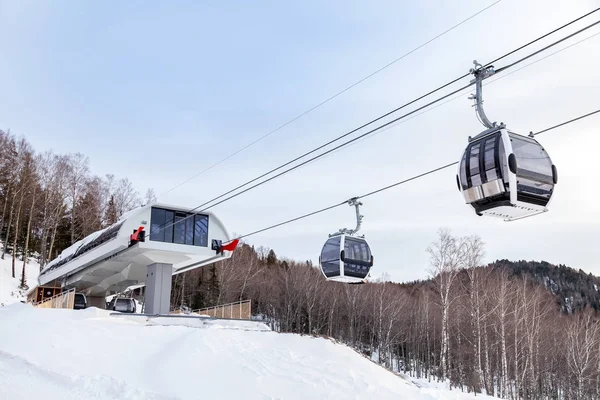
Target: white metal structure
x=503 y=174
x=346 y=257
x=117 y=257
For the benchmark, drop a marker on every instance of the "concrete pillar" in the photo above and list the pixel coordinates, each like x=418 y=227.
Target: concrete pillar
x=158 y=288
x=96 y=301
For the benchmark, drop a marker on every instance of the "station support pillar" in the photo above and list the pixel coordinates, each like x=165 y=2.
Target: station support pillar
x=158 y=289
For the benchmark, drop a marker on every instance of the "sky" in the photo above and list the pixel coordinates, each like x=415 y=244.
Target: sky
x=159 y=91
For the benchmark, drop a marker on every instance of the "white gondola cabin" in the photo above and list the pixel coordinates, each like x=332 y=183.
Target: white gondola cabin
x=346 y=258
x=503 y=174
x=506 y=175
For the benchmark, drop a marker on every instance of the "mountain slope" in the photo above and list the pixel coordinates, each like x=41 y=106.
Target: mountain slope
x=573 y=289
x=53 y=351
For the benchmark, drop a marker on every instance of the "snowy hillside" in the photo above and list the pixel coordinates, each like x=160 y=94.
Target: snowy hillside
x=69 y=354
x=9 y=286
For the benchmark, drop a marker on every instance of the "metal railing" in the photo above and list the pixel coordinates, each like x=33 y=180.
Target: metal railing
x=62 y=300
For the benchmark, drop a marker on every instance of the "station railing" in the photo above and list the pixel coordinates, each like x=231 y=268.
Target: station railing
x=237 y=310
x=65 y=299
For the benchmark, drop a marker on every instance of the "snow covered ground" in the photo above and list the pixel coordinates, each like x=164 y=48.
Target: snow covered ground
x=68 y=354
x=9 y=286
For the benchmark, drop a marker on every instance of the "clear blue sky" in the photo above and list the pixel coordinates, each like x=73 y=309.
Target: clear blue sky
x=157 y=91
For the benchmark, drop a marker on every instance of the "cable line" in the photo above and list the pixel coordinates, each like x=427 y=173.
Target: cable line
x=332 y=97
x=366 y=133
x=379 y=127
x=431 y=171
x=567 y=122
x=549 y=46
x=543 y=36
x=490 y=81
x=383 y=116
x=444 y=166
x=326 y=152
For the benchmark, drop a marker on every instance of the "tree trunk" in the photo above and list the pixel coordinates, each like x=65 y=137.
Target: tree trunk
x=44 y=236
x=476 y=318
x=73 y=219
x=14 y=252
x=182 y=291
x=459 y=361
x=428 y=338
x=504 y=361
x=10 y=218
x=487 y=373
x=53 y=238
x=245 y=282
x=516 y=361
x=23 y=282
x=43 y=247
x=4 y=209
x=331 y=312
x=444 y=352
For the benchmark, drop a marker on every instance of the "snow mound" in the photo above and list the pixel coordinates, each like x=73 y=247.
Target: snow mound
x=51 y=385
x=196 y=322
x=47 y=353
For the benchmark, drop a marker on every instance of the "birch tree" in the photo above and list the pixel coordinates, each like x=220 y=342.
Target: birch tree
x=125 y=197
x=474 y=254
x=33 y=185
x=446 y=257
x=583 y=340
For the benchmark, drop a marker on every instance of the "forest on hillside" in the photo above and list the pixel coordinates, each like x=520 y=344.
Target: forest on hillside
x=496 y=329
x=574 y=290
x=49 y=201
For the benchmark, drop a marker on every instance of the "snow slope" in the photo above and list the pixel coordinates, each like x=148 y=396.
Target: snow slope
x=68 y=354
x=9 y=286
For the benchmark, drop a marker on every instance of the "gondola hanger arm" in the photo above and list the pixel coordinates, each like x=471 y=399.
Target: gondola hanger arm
x=356 y=203
x=480 y=72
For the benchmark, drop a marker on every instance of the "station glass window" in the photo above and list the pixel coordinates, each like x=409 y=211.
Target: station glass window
x=201 y=230
x=178 y=227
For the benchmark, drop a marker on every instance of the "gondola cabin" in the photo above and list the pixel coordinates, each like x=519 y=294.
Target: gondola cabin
x=506 y=175
x=346 y=258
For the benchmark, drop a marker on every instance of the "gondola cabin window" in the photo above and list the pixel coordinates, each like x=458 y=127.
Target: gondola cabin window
x=357 y=257
x=330 y=257
x=534 y=172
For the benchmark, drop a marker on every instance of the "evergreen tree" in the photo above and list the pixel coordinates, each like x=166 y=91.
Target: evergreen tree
x=111 y=212
x=211 y=287
x=271 y=257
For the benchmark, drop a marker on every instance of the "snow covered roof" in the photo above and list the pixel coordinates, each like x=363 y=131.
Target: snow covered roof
x=71 y=251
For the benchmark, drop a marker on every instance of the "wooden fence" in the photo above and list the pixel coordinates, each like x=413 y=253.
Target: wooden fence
x=238 y=310
x=61 y=300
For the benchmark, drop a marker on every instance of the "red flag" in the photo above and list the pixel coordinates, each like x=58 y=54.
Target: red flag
x=230 y=246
